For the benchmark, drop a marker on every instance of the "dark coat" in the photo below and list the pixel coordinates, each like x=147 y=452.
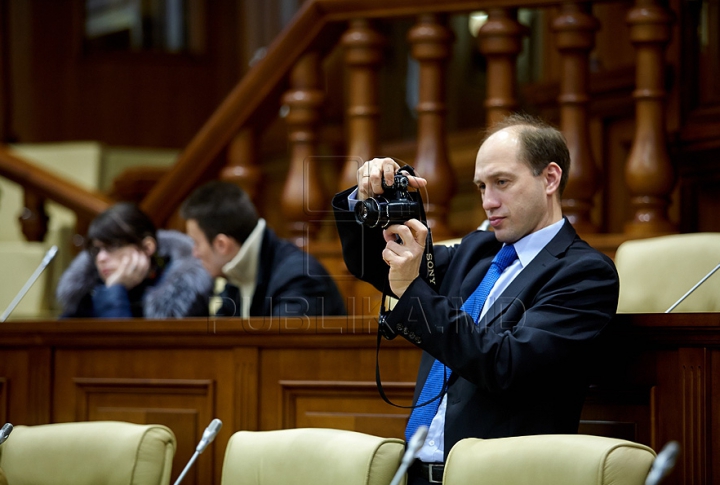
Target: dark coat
x=523 y=369
x=290 y=282
x=181 y=289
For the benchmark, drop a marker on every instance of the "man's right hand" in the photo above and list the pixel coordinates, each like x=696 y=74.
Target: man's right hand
x=370 y=176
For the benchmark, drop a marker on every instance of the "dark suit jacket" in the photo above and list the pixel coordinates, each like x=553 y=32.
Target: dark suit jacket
x=290 y=282
x=523 y=369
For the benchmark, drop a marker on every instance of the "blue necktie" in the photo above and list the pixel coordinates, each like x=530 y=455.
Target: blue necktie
x=423 y=416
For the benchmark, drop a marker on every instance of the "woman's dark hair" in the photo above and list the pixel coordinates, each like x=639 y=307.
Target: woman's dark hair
x=122 y=224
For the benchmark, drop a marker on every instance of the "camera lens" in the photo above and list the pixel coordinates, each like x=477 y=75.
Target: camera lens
x=368 y=212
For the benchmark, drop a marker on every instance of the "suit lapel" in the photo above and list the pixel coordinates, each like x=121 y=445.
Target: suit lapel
x=548 y=255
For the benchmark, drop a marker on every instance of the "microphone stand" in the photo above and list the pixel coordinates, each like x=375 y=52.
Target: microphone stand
x=414 y=445
x=49 y=255
x=693 y=289
x=663 y=463
x=5 y=432
x=208 y=436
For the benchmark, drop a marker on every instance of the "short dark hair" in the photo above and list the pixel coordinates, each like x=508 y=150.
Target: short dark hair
x=540 y=144
x=122 y=224
x=221 y=208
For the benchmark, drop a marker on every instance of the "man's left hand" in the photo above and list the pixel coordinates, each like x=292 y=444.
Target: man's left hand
x=404 y=259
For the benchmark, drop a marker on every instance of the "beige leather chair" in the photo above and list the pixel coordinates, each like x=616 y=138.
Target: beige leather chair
x=656 y=272
x=313 y=456
x=88 y=453
x=548 y=460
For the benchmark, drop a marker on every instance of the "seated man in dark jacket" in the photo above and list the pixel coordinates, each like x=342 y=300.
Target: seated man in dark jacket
x=266 y=275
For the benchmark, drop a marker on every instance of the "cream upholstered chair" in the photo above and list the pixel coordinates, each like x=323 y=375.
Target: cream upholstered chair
x=548 y=460
x=313 y=456
x=656 y=272
x=88 y=453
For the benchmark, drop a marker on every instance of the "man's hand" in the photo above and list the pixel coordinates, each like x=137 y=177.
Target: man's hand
x=370 y=175
x=404 y=259
x=132 y=270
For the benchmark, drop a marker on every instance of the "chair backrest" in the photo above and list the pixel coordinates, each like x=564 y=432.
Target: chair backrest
x=656 y=272
x=548 y=459
x=313 y=456
x=88 y=453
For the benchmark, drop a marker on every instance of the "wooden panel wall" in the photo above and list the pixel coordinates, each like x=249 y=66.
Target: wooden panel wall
x=60 y=92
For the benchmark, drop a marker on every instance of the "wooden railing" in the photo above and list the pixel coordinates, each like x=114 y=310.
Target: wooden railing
x=39 y=185
x=290 y=75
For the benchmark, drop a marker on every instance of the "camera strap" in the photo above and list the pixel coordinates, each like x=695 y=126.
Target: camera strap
x=427 y=272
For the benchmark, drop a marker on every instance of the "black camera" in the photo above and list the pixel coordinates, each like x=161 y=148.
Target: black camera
x=394 y=206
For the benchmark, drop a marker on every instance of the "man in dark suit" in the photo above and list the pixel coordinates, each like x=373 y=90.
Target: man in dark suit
x=515 y=314
x=265 y=275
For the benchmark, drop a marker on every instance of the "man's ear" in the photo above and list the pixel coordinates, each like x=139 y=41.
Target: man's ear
x=149 y=245
x=553 y=174
x=223 y=244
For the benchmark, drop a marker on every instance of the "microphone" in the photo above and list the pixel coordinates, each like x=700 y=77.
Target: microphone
x=414 y=445
x=5 y=432
x=485 y=225
x=693 y=289
x=208 y=436
x=663 y=463
x=49 y=255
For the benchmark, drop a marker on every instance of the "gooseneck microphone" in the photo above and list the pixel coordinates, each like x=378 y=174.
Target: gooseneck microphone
x=208 y=436
x=414 y=445
x=5 y=432
x=682 y=298
x=663 y=463
x=49 y=255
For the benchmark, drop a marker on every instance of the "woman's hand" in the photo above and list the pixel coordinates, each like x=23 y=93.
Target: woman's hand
x=133 y=269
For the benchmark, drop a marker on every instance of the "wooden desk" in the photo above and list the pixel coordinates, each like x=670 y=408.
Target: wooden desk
x=260 y=374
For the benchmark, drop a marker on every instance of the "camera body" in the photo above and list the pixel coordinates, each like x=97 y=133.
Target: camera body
x=394 y=206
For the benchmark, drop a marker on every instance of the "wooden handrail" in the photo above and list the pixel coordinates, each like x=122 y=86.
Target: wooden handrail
x=317 y=26
x=86 y=203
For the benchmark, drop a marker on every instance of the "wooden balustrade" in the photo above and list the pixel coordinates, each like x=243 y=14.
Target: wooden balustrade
x=500 y=40
x=649 y=173
x=363 y=55
x=292 y=67
x=321 y=23
x=431 y=40
x=85 y=203
x=242 y=167
x=575 y=37
x=33 y=218
x=303 y=191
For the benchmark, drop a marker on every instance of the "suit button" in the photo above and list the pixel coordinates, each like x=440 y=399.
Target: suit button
x=405 y=331
x=411 y=335
x=399 y=327
x=418 y=340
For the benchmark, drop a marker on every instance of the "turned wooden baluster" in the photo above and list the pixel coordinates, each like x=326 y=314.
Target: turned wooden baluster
x=431 y=45
x=303 y=191
x=649 y=173
x=500 y=40
x=363 y=54
x=242 y=168
x=33 y=219
x=575 y=37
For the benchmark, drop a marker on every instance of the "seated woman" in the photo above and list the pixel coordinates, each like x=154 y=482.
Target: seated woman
x=129 y=269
